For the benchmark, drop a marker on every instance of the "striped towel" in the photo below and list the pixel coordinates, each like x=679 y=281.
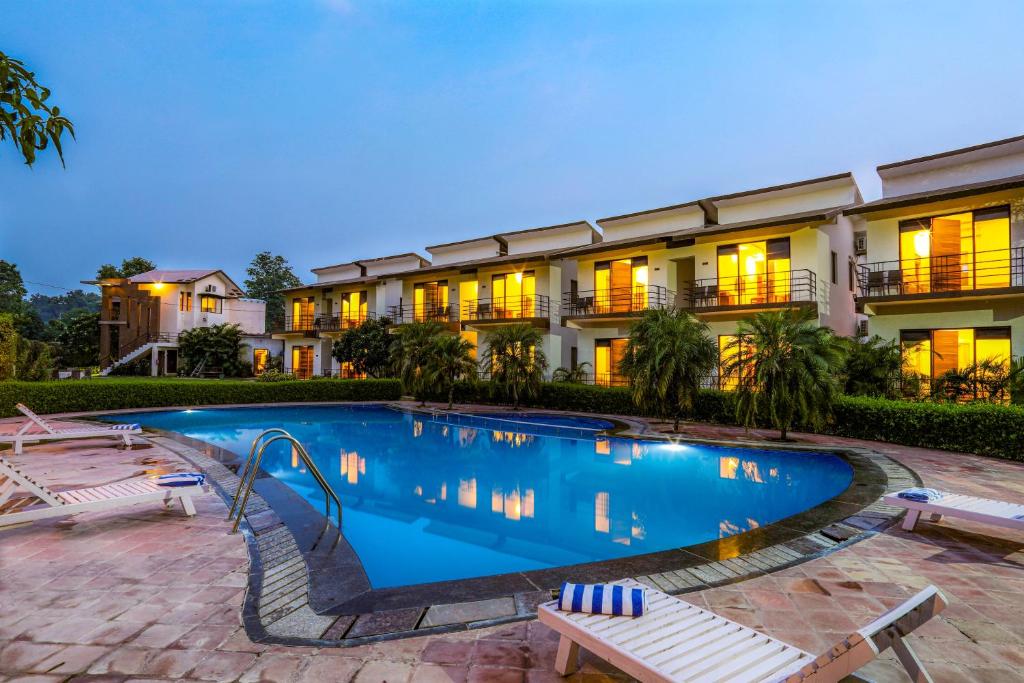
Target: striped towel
x=603 y=598
x=919 y=495
x=125 y=426
x=181 y=479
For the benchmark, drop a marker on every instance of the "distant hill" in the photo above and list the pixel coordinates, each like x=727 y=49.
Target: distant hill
x=52 y=307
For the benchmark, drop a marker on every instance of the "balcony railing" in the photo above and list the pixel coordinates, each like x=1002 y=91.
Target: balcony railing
x=300 y=372
x=422 y=314
x=619 y=300
x=314 y=324
x=507 y=308
x=767 y=289
x=967 y=272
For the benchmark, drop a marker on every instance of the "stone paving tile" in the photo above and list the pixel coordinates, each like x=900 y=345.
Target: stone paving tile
x=105 y=596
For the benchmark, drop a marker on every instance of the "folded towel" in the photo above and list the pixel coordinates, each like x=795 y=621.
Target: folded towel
x=603 y=598
x=125 y=426
x=182 y=479
x=919 y=495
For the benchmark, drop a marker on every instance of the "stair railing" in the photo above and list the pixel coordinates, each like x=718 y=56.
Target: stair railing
x=246 y=484
x=248 y=461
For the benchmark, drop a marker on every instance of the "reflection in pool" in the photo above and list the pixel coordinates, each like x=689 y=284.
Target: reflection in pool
x=429 y=501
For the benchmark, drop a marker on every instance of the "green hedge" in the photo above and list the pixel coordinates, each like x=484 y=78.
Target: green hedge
x=981 y=428
x=116 y=393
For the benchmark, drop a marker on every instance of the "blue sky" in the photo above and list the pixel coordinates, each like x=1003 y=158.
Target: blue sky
x=344 y=129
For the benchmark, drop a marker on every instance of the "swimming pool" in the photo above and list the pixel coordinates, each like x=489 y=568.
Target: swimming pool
x=426 y=500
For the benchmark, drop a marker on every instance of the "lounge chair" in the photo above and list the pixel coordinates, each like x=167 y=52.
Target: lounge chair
x=51 y=433
x=675 y=641
x=44 y=503
x=995 y=512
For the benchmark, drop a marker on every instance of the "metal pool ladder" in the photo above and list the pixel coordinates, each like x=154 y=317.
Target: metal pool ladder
x=247 y=475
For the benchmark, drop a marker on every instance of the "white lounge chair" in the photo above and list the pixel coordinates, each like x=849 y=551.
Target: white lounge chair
x=44 y=503
x=995 y=512
x=51 y=433
x=675 y=641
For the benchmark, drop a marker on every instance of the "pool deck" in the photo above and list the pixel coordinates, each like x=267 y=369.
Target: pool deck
x=148 y=594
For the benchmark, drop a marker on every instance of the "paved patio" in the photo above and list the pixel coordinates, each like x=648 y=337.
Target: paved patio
x=147 y=594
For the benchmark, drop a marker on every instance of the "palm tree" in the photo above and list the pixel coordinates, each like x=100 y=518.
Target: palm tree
x=577 y=374
x=788 y=367
x=667 y=357
x=450 y=359
x=515 y=361
x=872 y=367
x=410 y=353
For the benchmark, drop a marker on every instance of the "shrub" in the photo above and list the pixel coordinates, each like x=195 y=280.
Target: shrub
x=114 y=394
x=276 y=376
x=8 y=346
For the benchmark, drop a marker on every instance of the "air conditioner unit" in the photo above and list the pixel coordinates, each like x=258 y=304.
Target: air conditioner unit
x=862 y=328
x=211 y=288
x=860 y=243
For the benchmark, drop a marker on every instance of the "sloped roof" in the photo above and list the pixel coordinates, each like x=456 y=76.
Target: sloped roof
x=940 y=194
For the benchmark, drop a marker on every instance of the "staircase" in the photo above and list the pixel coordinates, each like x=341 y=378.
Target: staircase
x=139 y=351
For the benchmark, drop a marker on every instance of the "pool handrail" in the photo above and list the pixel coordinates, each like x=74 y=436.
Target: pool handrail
x=329 y=493
x=248 y=461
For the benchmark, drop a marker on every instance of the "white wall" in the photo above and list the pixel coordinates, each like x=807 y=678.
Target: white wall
x=550 y=239
x=346 y=271
x=478 y=249
x=782 y=203
x=653 y=223
x=391 y=265
x=952 y=171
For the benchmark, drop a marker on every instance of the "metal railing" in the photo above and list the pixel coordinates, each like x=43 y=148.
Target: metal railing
x=314 y=324
x=618 y=300
x=251 y=466
x=786 y=287
x=507 y=308
x=422 y=314
x=948 y=273
x=300 y=373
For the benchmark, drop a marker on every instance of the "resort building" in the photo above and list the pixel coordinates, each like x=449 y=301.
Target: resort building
x=142 y=316
x=471 y=287
x=723 y=258
x=941 y=257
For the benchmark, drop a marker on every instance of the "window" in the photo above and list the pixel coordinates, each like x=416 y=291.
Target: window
x=620 y=286
x=850 y=273
x=956 y=252
x=931 y=353
x=302 y=313
x=731 y=347
x=185 y=301
x=210 y=304
x=260 y=361
x=512 y=295
x=835 y=267
x=754 y=272
x=430 y=301
x=608 y=353
x=353 y=308
x=302 y=361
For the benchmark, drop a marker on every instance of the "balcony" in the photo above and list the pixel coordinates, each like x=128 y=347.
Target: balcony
x=313 y=325
x=771 y=290
x=401 y=315
x=984 y=273
x=504 y=310
x=593 y=307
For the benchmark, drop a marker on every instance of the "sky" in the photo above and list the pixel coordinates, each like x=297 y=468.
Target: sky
x=333 y=130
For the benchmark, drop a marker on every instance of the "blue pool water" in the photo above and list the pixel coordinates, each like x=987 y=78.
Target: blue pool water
x=425 y=500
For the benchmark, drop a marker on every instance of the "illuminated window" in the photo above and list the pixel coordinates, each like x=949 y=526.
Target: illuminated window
x=302 y=361
x=602 y=502
x=468 y=295
x=185 y=301
x=353 y=309
x=931 y=353
x=471 y=337
x=730 y=348
x=302 y=313
x=727 y=467
x=210 y=304
x=956 y=252
x=513 y=294
x=467 y=493
x=621 y=285
x=260 y=359
x=430 y=301
x=608 y=354
x=754 y=272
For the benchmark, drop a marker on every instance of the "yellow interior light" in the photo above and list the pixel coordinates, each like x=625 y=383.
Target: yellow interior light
x=641 y=275
x=922 y=243
x=519 y=277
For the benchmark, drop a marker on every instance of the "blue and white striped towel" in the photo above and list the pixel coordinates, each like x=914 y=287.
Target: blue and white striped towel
x=182 y=479
x=919 y=495
x=125 y=426
x=603 y=598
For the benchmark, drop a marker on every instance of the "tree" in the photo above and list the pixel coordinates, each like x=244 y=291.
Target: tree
x=267 y=276
x=367 y=347
x=35 y=361
x=136 y=265
x=872 y=367
x=12 y=300
x=53 y=307
x=77 y=334
x=216 y=346
x=515 y=361
x=788 y=368
x=8 y=346
x=450 y=359
x=577 y=374
x=668 y=356
x=25 y=116
x=410 y=352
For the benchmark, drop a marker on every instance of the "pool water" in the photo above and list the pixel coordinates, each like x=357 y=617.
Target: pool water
x=425 y=500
